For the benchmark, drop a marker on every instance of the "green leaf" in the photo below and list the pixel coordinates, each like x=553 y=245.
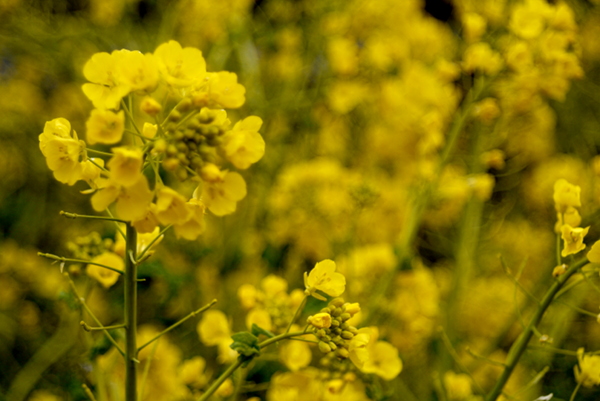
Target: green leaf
x=257 y=330
x=246 y=344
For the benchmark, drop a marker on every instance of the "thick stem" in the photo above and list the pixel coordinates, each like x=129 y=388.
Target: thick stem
x=131 y=350
x=517 y=349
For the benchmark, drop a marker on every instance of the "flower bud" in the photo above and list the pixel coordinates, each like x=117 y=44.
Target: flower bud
x=342 y=353
x=324 y=347
x=320 y=320
x=150 y=106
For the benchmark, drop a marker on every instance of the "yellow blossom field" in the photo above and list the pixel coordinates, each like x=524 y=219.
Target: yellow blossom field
x=300 y=200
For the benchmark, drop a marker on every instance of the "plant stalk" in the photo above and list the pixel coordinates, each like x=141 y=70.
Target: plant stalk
x=131 y=350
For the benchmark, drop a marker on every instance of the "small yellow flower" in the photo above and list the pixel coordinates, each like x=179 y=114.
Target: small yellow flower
x=138 y=72
x=570 y=216
x=221 y=197
x=213 y=328
x=566 y=195
x=171 y=207
x=383 y=360
x=320 y=320
x=260 y=317
x=295 y=355
x=573 y=238
x=126 y=165
x=104 y=91
x=323 y=277
x=243 y=145
x=194 y=226
x=132 y=202
x=223 y=91
x=273 y=285
x=594 y=253
x=458 y=386
x=358 y=347
x=248 y=295
x=105 y=127
x=106 y=277
x=588 y=371
x=180 y=67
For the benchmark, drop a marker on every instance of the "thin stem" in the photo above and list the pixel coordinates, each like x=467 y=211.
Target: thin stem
x=84 y=216
x=224 y=376
x=192 y=314
x=131 y=350
x=117 y=225
x=147 y=248
x=558 y=255
x=128 y=112
x=517 y=349
x=64 y=260
x=575 y=392
x=86 y=327
x=89 y=311
x=88 y=392
x=298 y=311
x=98 y=152
x=234 y=366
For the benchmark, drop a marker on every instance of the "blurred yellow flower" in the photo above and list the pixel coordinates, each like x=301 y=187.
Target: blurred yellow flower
x=358 y=347
x=458 y=386
x=323 y=277
x=180 y=67
x=573 y=238
x=243 y=145
x=194 y=226
x=260 y=317
x=137 y=71
x=132 y=202
x=105 y=127
x=566 y=195
x=104 y=91
x=62 y=150
x=383 y=360
x=588 y=371
x=126 y=165
x=104 y=276
x=223 y=91
x=171 y=207
x=295 y=355
x=320 y=320
x=213 y=328
x=221 y=197
x=594 y=253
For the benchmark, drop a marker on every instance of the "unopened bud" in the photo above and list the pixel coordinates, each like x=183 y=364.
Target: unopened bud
x=150 y=106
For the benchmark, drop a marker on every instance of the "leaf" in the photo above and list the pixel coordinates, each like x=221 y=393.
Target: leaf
x=246 y=344
x=257 y=330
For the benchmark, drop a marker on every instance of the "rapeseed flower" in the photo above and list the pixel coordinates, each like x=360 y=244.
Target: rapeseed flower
x=324 y=278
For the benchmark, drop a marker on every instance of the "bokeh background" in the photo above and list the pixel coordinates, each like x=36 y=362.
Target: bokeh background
x=358 y=99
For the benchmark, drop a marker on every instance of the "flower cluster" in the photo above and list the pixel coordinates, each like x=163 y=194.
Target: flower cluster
x=193 y=140
x=566 y=200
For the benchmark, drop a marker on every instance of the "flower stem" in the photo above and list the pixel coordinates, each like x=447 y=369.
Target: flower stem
x=63 y=259
x=519 y=346
x=298 y=311
x=131 y=350
x=85 y=216
x=165 y=331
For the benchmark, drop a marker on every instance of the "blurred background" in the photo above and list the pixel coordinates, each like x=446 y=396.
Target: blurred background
x=358 y=99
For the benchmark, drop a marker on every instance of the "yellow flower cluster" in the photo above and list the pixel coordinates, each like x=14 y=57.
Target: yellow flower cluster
x=566 y=199
x=194 y=140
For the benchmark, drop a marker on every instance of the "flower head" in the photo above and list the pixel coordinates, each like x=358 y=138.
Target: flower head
x=573 y=238
x=588 y=371
x=324 y=278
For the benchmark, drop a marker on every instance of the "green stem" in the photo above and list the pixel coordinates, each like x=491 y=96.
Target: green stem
x=63 y=259
x=89 y=311
x=87 y=327
x=147 y=248
x=519 y=346
x=234 y=366
x=131 y=350
x=85 y=216
x=128 y=112
x=165 y=331
x=575 y=392
x=298 y=311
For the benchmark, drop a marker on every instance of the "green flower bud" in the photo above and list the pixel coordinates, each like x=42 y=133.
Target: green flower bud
x=346 y=335
x=332 y=345
x=337 y=302
x=342 y=353
x=345 y=316
x=324 y=347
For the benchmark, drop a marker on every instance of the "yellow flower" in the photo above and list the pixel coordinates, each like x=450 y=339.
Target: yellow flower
x=136 y=71
x=192 y=372
x=126 y=165
x=320 y=320
x=194 y=226
x=248 y=295
x=458 y=386
x=223 y=91
x=528 y=19
x=132 y=202
x=180 y=67
x=171 y=207
x=570 y=216
x=220 y=197
x=105 y=276
x=588 y=371
x=295 y=355
x=213 y=328
x=104 y=91
x=481 y=57
x=474 y=26
x=383 y=360
x=566 y=195
x=573 y=238
x=594 y=253
x=324 y=278
x=273 y=285
x=260 y=317
x=243 y=145
x=62 y=150
x=358 y=347
x=104 y=126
